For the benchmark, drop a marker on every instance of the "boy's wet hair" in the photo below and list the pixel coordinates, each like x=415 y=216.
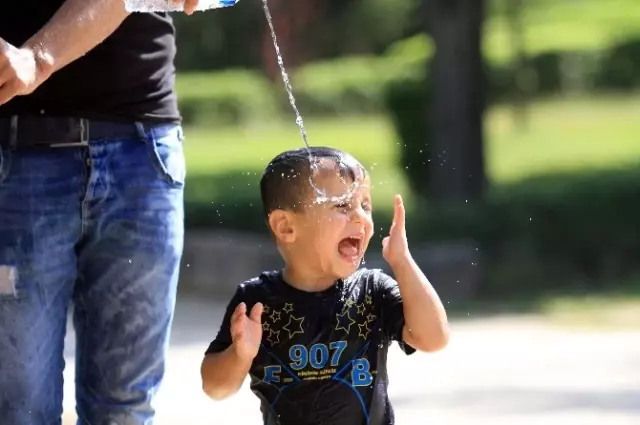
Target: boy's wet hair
x=285 y=183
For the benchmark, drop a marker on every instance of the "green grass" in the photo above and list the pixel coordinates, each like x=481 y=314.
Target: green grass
x=582 y=25
x=595 y=312
x=562 y=135
x=578 y=309
x=612 y=310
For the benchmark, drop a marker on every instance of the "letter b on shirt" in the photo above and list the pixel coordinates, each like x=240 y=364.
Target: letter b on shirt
x=360 y=374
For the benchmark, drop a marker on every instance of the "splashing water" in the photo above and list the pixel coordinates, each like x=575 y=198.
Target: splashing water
x=320 y=195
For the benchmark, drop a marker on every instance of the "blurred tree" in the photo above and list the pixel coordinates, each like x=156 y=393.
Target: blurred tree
x=291 y=19
x=307 y=30
x=514 y=10
x=457 y=171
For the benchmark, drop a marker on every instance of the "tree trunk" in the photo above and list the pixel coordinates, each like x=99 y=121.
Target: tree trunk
x=458 y=85
x=515 y=10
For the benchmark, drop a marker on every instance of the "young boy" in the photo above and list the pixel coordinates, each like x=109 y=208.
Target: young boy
x=314 y=336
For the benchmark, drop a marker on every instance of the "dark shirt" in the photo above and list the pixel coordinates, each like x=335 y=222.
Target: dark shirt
x=130 y=76
x=323 y=357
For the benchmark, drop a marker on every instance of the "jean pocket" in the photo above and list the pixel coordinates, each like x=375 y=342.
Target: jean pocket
x=5 y=163
x=167 y=154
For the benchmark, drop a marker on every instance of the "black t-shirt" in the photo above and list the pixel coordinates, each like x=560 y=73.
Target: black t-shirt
x=130 y=76
x=323 y=357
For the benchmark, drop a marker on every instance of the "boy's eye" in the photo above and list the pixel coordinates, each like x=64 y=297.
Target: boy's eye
x=343 y=206
x=366 y=207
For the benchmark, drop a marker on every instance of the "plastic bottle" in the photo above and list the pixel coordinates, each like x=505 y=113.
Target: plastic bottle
x=171 y=6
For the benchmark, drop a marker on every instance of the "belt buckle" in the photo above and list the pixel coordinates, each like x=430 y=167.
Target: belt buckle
x=84 y=137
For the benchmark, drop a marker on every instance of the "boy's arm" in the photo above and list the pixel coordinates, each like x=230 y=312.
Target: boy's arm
x=412 y=312
x=223 y=373
x=425 y=319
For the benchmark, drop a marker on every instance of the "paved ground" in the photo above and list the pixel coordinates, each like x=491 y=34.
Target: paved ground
x=515 y=371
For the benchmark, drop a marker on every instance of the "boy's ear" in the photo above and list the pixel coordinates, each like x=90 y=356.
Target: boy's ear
x=282 y=224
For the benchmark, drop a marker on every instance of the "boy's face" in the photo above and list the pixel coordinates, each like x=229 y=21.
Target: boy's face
x=330 y=237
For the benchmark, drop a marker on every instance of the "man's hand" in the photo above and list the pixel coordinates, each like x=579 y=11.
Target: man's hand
x=395 y=248
x=246 y=331
x=189 y=5
x=20 y=71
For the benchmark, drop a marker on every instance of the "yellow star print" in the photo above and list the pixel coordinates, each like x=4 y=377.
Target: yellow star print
x=363 y=330
x=267 y=309
x=350 y=321
x=349 y=303
x=274 y=337
x=265 y=326
x=288 y=308
x=360 y=308
x=371 y=317
x=275 y=316
x=367 y=299
x=294 y=326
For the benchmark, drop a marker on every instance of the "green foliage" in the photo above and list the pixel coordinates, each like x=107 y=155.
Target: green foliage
x=407 y=103
x=225 y=97
x=355 y=85
x=534 y=236
x=541 y=232
x=362 y=85
x=583 y=214
x=340 y=86
x=620 y=67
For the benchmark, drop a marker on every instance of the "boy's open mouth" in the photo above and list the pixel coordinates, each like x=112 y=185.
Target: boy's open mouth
x=350 y=247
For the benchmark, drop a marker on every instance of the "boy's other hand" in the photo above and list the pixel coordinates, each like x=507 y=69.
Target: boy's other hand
x=246 y=331
x=395 y=248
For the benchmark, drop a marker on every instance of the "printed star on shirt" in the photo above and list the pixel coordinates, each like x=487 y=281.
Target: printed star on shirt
x=274 y=337
x=288 y=308
x=349 y=303
x=367 y=299
x=371 y=317
x=360 y=308
x=363 y=330
x=350 y=321
x=265 y=326
x=266 y=309
x=275 y=316
x=294 y=326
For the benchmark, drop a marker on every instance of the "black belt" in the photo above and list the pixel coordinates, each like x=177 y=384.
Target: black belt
x=29 y=131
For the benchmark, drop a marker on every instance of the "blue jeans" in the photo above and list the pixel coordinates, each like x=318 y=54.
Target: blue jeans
x=100 y=228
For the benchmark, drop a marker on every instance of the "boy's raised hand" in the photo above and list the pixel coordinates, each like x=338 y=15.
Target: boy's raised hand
x=395 y=247
x=246 y=331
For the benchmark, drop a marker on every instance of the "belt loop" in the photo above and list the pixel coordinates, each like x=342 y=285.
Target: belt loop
x=84 y=130
x=13 y=132
x=142 y=133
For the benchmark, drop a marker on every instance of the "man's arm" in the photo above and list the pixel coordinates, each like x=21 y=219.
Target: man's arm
x=75 y=29
x=223 y=373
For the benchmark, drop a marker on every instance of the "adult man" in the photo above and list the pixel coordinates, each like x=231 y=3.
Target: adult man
x=91 y=186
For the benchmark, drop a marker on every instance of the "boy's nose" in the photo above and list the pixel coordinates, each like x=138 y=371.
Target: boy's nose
x=358 y=215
